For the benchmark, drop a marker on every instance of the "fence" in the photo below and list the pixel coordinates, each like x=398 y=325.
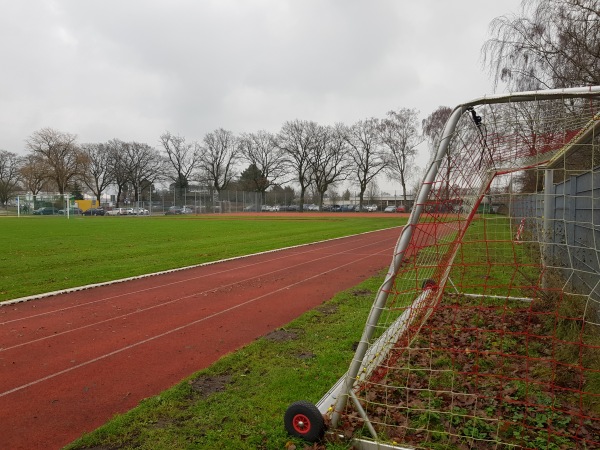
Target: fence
x=209 y=201
x=566 y=217
x=202 y=202
x=193 y=202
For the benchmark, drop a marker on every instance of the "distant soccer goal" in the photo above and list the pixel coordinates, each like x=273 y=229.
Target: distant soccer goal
x=486 y=330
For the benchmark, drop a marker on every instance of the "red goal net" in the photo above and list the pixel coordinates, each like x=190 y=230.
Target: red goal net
x=486 y=330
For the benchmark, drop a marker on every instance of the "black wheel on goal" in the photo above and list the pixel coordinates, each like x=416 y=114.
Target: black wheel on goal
x=428 y=284
x=304 y=420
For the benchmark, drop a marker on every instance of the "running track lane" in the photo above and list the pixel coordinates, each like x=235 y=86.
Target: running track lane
x=69 y=363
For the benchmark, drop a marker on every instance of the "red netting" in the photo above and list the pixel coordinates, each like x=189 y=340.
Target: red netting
x=496 y=322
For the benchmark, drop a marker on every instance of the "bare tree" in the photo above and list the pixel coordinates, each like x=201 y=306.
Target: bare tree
x=261 y=151
x=433 y=126
x=220 y=153
x=329 y=159
x=297 y=139
x=60 y=152
x=34 y=173
x=120 y=173
x=312 y=196
x=144 y=166
x=10 y=175
x=98 y=173
x=554 y=44
x=183 y=157
x=399 y=132
x=366 y=153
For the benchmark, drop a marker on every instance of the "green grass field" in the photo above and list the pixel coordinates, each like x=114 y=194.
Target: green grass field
x=44 y=254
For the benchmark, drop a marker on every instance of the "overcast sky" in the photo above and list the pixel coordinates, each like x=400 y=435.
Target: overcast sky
x=132 y=69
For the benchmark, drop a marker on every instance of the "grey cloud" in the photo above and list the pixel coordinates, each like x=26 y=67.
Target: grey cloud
x=132 y=69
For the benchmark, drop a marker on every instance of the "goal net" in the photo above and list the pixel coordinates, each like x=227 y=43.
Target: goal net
x=486 y=330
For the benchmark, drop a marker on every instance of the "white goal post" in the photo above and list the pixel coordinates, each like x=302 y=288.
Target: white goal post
x=489 y=239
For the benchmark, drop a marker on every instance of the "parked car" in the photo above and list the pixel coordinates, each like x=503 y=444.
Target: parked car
x=371 y=208
x=94 y=212
x=193 y=209
x=348 y=208
x=173 y=210
x=45 y=211
x=116 y=212
x=138 y=212
x=394 y=208
x=72 y=211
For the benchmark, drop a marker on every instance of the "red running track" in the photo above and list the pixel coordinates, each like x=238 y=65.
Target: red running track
x=69 y=363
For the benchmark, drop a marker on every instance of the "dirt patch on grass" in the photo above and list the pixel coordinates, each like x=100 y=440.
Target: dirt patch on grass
x=282 y=335
x=208 y=385
x=163 y=423
x=362 y=293
x=328 y=309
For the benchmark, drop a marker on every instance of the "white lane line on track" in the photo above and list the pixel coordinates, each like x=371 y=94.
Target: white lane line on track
x=334 y=241
x=212 y=289
x=166 y=333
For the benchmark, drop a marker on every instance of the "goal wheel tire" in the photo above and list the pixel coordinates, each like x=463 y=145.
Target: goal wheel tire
x=304 y=420
x=428 y=284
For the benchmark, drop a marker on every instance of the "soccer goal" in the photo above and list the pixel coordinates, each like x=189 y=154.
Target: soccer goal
x=486 y=330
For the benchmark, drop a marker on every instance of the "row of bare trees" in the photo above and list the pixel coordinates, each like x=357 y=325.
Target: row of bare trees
x=551 y=44
x=303 y=153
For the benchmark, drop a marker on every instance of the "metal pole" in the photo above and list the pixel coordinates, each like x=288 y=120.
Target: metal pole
x=548 y=224
x=399 y=252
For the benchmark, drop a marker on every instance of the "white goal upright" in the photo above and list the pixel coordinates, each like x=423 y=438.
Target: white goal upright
x=486 y=330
